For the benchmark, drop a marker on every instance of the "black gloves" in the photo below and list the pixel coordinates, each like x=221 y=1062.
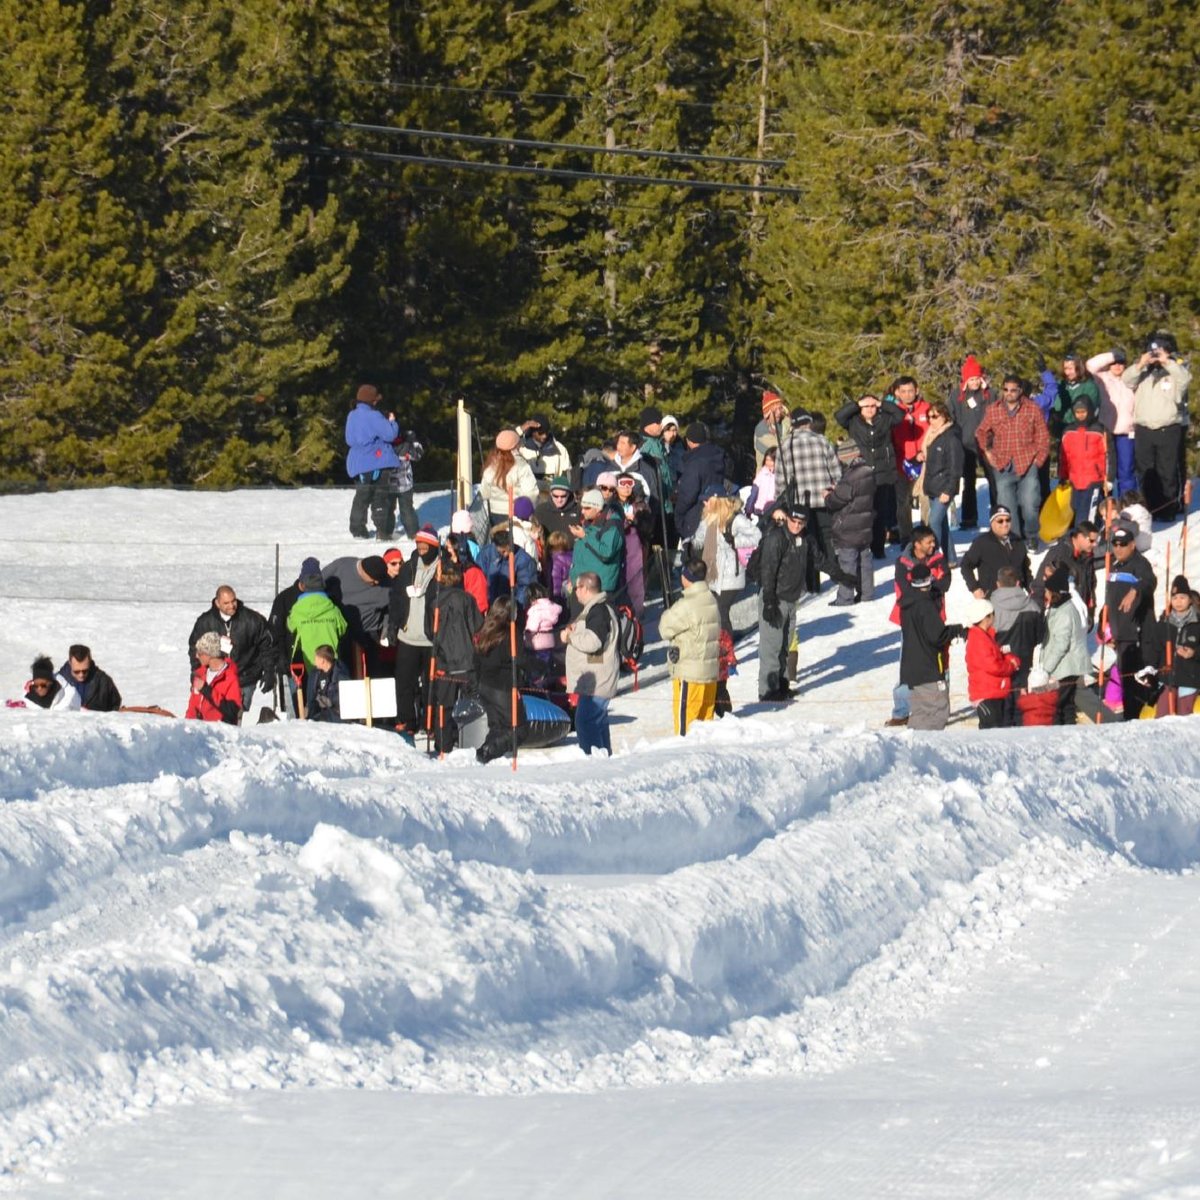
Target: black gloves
x=955 y=633
x=773 y=614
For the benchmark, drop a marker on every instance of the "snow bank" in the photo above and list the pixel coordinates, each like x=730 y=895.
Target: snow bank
x=189 y=909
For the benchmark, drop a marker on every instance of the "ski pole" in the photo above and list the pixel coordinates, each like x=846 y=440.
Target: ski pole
x=367 y=683
x=1169 y=649
x=433 y=658
x=512 y=620
x=1103 y=618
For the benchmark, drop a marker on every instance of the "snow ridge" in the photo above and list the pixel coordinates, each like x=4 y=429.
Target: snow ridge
x=192 y=909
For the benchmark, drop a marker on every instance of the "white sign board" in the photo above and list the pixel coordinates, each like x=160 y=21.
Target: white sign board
x=352 y=696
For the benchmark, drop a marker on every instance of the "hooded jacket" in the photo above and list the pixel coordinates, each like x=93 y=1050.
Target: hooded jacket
x=873 y=438
x=693 y=626
x=370 y=435
x=218 y=700
x=925 y=641
x=852 y=503
x=989 y=670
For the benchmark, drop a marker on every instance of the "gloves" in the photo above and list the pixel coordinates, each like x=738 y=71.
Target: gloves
x=955 y=633
x=1145 y=674
x=773 y=614
x=672 y=654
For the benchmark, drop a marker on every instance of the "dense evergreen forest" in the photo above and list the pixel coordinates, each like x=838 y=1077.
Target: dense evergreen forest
x=212 y=232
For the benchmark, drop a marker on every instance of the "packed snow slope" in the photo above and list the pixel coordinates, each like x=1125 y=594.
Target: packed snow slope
x=188 y=912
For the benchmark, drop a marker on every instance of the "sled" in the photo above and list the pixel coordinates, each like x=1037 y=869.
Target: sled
x=1057 y=514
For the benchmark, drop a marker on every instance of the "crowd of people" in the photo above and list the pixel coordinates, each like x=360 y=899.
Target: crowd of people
x=540 y=587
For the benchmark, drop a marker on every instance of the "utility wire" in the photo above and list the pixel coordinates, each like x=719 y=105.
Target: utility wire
x=419 y=86
x=458 y=164
x=492 y=140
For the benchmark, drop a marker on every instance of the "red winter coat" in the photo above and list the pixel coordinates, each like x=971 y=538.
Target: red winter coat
x=1083 y=459
x=475 y=585
x=989 y=669
x=214 y=701
x=908 y=433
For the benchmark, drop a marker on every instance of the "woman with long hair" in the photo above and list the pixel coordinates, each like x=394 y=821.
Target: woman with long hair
x=494 y=677
x=451 y=623
x=941 y=476
x=504 y=469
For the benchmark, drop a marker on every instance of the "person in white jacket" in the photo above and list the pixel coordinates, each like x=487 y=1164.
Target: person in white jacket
x=503 y=470
x=1116 y=412
x=47 y=693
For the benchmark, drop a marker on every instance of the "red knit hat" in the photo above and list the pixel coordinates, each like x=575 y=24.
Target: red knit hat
x=392 y=554
x=971 y=369
x=772 y=401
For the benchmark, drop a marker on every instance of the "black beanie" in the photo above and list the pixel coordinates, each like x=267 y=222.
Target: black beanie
x=42 y=668
x=374 y=568
x=1180 y=584
x=649 y=416
x=697 y=433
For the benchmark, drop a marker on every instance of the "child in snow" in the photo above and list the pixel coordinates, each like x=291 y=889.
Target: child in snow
x=560 y=547
x=762 y=490
x=1083 y=459
x=324 y=700
x=1065 y=653
x=990 y=669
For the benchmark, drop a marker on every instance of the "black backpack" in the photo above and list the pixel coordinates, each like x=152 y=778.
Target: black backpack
x=631 y=641
x=754 y=565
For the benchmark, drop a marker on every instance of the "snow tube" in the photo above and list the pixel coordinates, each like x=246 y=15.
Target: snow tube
x=1057 y=514
x=545 y=724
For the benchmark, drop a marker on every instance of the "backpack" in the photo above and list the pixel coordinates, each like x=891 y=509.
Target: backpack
x=630 y=641
x=754 y=565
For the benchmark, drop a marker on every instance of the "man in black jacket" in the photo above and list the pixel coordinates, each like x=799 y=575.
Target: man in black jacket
x=281 y=639
x=703 y=467
x=1077 y=552
x=783 y=560
x=1128 y=605
x=996 y=547
x=925 y=651
x=245 y=638
x=97 y=692
x=870 y=424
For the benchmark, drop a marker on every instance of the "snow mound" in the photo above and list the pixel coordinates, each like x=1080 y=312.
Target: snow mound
x=189 y=909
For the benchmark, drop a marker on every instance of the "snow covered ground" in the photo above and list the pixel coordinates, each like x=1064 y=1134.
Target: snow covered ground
x=797 y=954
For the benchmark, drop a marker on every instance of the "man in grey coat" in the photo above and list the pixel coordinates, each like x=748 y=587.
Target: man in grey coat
x=592 y=665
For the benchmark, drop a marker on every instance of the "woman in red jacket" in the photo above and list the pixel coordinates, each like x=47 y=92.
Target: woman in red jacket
x=1083 y=460
x=989 y=668
x=216 y=689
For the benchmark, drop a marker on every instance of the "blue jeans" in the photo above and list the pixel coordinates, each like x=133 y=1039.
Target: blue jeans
x=939 y=522
x=591 y=724
x=1082 y=500
x=1022 y=496
x=1126 y=472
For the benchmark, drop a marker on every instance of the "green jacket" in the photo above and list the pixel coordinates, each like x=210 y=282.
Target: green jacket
x=1062 y=414
x=693 y=626
x=315 y=621
x=601 y=549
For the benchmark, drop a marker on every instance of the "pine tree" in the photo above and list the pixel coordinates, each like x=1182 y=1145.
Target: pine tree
x=72 y=272
x=242 y=318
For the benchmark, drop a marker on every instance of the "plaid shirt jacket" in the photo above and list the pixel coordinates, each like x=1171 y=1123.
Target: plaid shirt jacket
x=1014 y=440
x=810 y=465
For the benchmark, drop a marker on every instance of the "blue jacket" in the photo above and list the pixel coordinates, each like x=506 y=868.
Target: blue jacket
x=495 y=569
x=370 y=435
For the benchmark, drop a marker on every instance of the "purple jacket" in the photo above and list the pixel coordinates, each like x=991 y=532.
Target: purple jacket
x=370 y=435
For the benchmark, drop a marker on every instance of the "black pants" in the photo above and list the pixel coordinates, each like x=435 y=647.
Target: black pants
x=995 y=714
x=885 y=516
x=411 y=670
x=1156 y=460
x=443 y=694
x=969 y=513
x=1065 y=712
x=372 y=494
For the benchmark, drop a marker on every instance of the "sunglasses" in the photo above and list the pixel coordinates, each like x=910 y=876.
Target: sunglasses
x=1002 y=520
x=40 y=684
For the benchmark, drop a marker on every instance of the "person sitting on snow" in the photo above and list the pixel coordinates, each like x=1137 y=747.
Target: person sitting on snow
x=45 y=691
x=216 y=688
